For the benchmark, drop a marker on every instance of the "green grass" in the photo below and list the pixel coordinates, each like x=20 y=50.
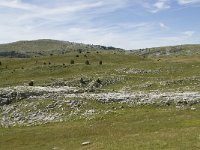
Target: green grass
x=147 y=127
x=15 y=71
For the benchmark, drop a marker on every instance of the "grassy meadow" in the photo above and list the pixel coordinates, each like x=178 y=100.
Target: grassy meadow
x=139 y=73
x=138 y=128
x=125 y=128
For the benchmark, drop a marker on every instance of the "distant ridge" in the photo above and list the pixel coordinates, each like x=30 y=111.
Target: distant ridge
x=188 y=49
x=48 y=46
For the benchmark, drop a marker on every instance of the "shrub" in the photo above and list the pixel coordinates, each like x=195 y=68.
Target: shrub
x=71 y=61
x=77 y=55
x=0 y=63
x=30 y=83
x=87 y=62
x=100 y=62
x=98 y=81
x=82 y=81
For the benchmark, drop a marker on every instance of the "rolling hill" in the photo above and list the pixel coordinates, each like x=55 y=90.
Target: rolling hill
x=169 y=50
x=46 y=47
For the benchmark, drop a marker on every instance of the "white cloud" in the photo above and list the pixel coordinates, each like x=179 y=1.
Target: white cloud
x=155 y=7
x=16 y=4
x=163 y=25
x=78 y=21
x=160 y=5
x=183 y=2
x=188 y=33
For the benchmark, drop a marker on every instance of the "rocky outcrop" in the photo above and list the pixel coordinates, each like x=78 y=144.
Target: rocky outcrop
x=14 y=94
x=32 y=105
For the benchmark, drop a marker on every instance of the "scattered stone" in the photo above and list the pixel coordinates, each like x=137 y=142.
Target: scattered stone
x=34 y=110
x=86 y=143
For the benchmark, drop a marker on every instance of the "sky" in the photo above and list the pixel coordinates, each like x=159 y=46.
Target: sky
x=128 y=24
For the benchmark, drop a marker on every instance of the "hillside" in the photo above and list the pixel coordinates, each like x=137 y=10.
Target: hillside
x=46 y=47
x=169 y=50
x=108 y=99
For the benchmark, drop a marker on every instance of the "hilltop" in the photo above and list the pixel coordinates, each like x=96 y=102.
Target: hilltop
x=47 y=46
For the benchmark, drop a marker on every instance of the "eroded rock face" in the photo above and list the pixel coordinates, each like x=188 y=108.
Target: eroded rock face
x=13 y=94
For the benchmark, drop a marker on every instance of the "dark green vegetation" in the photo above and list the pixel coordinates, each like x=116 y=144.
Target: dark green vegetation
x=147 y=127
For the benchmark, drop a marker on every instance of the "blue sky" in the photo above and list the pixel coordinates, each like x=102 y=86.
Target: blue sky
x=128 y=24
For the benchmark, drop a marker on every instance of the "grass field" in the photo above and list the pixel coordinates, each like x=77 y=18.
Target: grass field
x=141 y=127
x=147 y=127
x=163 y=73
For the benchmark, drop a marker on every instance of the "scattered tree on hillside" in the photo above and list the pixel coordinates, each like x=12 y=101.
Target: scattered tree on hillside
x=100 y=62
x=82 y=81
x=71 y=61
x=87 y=62
x=30 y=83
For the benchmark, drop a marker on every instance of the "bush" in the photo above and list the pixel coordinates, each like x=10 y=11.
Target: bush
x=0 y=63
x=98 y=81
x=87 y=62
x=82 y=81
x=71 y=61
x=30 y=83
x=100 y=62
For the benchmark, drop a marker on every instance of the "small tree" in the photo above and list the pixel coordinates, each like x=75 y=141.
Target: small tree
x=98 y=81
x=87 y=62
x=100 y=62
x=0 y=63
x=30 y=83
x=71 y=61
x=82 y=81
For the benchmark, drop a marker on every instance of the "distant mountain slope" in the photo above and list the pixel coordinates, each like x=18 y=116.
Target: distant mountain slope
x=47 y=46
x=169 y=50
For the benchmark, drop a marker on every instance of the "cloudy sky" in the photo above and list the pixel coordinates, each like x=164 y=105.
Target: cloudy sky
x=128 y=24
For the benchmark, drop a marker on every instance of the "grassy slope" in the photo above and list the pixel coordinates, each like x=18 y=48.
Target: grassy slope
x=170 y=69
x=148 y=127
x=132 y=128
